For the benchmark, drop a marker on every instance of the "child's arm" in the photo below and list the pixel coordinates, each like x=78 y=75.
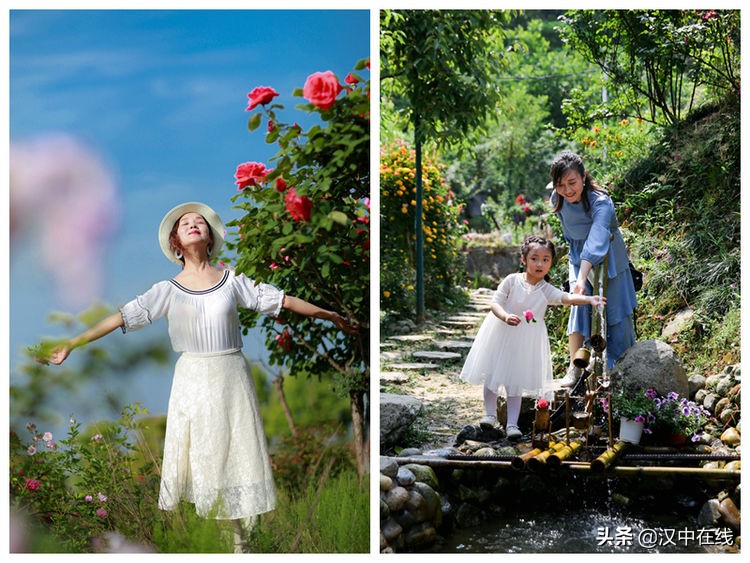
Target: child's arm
x=504 y=316
x=102 y=328
x=573 y=299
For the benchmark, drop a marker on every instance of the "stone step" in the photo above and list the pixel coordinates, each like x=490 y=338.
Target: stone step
x=393 y=377
x=414 y=366
x=454 y=344
x=436 y=355
x=411 y=337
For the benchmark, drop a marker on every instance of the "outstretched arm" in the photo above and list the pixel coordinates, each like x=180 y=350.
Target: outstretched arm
x=573 y=299
x=302 y=307
x=102 y=328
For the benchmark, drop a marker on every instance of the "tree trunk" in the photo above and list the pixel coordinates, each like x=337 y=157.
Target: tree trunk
x=278 y=383
x=357 y=401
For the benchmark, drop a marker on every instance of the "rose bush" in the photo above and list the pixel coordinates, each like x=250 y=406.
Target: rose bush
x=305 y=227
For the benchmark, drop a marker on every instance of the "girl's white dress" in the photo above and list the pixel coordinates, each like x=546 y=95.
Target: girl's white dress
x=513 y=360
x=215 y=451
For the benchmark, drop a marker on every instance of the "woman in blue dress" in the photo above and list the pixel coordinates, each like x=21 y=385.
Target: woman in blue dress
x=589 y=223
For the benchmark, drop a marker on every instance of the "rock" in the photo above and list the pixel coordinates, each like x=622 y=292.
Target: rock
x=682 y=321
x=507 y=451
x=709 y=515
x=397 y=413
x=700 y=396
x=730 y=437
x=436 y=355
x=652 y=363
x=431 y=500
x=383 y=542
x=420 y=535
x=393 y=378
x=388 y=466
x=385 y=482
x=405 y=519
x=410 y=452
x=417 y=506
x=391 y=529
x=735 y=465
x=468 y=516
x=709 y=403
x=423 y=474
x=405 y=477
x=384 y=510
x=730 y=514
x=720 y=405
x=726 y=415
x=488 y=452
x=396 y=498
x=696 y=382
x=725 y=385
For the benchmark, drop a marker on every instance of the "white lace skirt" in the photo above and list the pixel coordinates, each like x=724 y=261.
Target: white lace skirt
x=215 y=452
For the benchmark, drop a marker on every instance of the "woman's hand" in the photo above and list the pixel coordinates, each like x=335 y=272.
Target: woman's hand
x=57 y=355
x=344 y=324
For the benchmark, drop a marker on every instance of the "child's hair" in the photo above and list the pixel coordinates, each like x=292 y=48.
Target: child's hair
x=532 y=240
x=563 y=163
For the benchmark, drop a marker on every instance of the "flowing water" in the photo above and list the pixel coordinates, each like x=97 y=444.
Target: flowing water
x=585 y=531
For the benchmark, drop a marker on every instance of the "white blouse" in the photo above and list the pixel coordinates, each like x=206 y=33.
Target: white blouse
x=202 y=322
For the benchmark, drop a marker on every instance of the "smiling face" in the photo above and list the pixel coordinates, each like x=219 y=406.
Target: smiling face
x=570 y=186
x=189 y=230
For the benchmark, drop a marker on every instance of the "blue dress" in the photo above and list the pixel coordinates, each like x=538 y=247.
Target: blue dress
x=588 y=236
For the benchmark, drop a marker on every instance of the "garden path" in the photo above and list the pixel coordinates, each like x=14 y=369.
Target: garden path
x=426 y=365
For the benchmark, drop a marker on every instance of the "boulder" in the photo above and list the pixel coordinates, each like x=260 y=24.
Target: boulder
x=397 y=413
x=651 y=364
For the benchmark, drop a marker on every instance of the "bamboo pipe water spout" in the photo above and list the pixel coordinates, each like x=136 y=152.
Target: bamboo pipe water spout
x=538 y=461
x=520 y=461
x=556 y=458
x=608 y=457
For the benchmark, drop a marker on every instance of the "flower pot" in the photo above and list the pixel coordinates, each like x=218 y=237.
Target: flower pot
x=630 y=430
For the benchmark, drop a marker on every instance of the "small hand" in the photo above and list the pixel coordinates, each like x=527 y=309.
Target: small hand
x=598 y=301
x=513 y=320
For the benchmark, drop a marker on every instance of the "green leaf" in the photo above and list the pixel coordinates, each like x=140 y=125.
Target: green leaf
x=254 y=122
x=339 y=217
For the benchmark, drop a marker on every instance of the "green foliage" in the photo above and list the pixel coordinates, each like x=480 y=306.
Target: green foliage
x=442 y=230
x=438 y=67
x=332 y=516
x=323 y=257
x=660 y=64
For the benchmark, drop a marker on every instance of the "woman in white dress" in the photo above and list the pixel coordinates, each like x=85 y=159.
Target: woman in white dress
x=215 y=452
x=511 y=352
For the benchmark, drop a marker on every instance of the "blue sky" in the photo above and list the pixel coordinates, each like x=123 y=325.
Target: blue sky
x=159 y=97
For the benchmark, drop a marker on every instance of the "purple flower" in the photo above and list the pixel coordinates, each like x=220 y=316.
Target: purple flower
x=88 y=498
x=101 y=513
x=640 y=418
x=650 y=393
x=31 y=450
x=102 y=498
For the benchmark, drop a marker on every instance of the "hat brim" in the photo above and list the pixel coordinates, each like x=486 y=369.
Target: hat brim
x=172 y=216
x=549 y=186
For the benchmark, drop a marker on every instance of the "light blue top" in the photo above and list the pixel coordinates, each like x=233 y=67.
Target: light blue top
x=588 y=236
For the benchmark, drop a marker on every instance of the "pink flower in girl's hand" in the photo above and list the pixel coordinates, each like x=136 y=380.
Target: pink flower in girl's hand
x=529 y=316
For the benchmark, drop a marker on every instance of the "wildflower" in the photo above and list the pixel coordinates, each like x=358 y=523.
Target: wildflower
x=386 y=294
x=273 y=266
x=32 y=484
x=47 y=436
x=102 y=498
x=97 y=438
x=30 y=426
x=260 y=95
x=101 y=513
x=31 y=450
x=51 y=444
x=88 y=498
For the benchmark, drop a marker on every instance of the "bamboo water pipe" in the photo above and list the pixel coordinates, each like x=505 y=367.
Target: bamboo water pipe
x=608 y=457
x=556 y=459
x=519 y=462
x=648 y=471
x=538 y=461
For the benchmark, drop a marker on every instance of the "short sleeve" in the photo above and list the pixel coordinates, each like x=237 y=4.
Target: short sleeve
x=553 y=294
x=261 y=297
x=503 y=291
x=145 y=308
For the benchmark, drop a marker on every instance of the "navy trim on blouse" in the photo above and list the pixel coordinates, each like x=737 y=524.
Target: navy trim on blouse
x=178 y=285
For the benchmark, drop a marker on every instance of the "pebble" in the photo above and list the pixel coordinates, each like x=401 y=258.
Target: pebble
x=405 y=477
x=730 y=437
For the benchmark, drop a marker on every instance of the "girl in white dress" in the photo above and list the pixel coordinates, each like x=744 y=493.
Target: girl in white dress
x=511 y=353
x=215 y=451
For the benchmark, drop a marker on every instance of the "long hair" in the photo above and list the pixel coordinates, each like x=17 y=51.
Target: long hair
x=564 y=163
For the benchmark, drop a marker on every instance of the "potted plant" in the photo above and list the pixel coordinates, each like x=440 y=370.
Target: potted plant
x=634 y=409
x=676 y=417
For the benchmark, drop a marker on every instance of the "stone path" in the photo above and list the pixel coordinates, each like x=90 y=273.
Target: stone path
x=427 y=365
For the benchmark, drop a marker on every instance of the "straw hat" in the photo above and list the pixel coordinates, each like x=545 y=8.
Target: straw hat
x=213 y=220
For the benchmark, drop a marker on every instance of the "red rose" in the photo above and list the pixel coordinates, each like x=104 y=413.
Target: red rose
x=260 y=95
x=284 y=340
x=280 y=184
x=542 y=404
x=250 y=174
x=299 y=207
x=321 y=89
x=351 y=79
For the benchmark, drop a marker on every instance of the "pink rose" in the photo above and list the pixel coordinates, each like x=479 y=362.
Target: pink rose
x=250 y=174
x=529 y=316
x=260 y=95
x=542 y=404
x=32 y=484
x=321 y=89
x=299 y=207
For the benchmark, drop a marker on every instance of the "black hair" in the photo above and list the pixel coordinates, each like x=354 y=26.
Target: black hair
x=535 y=240
x=565 y=162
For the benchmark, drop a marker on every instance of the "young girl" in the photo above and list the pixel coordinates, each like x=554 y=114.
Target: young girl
x=511 y=350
